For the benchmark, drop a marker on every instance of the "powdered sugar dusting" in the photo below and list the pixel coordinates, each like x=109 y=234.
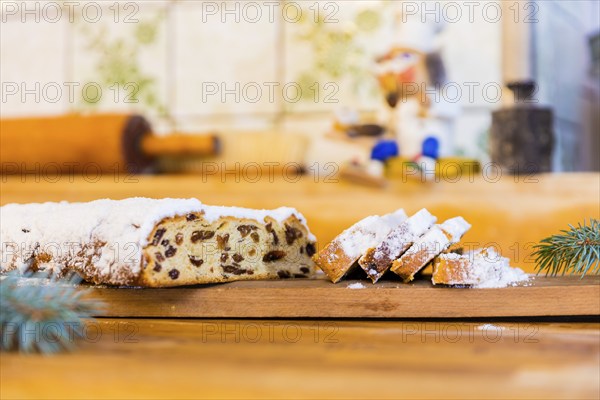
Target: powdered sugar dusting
x=456 y=227
x=486 y=269
x=121 y=226
x=451 y=256
x=369 y=232
x=401 y=237
x=420 y=222
x=62 y=228
x=212 y=213
x=432 y=243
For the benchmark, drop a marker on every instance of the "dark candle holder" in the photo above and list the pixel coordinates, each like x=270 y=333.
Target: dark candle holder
x=522 y=136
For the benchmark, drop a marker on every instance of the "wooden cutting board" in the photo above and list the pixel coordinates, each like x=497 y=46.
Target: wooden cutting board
x=319 y=298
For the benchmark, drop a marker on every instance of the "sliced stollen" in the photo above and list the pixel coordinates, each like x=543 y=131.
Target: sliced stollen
x=341 y=254
x=147 y=242
x=481 y=268
x=377 y=260
x=428 y=246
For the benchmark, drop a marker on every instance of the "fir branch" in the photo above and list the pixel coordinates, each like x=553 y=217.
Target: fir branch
x=42 y=314
x=574 y=251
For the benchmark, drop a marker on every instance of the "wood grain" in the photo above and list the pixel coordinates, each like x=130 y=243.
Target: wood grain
x=319 y=298
x=291 y=359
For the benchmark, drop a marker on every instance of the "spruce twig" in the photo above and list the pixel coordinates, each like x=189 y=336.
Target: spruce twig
x=43 y=314
x=574 y=251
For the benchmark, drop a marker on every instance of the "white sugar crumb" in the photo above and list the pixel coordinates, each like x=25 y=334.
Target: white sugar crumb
x=490 y=327
x=356 y=285
x=368 y=233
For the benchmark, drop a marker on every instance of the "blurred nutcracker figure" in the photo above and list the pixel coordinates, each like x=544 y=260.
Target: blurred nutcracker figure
x=412 y=76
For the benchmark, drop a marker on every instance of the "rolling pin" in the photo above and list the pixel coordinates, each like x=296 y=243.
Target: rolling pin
x=107 y=143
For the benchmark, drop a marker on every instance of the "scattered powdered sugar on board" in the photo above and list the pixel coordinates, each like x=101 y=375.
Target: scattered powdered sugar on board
x=356 y=285
x=369 y=232
x=508 y=277
x=120 y=227
x=494 y=271
x=490 y=327
x=486 y=269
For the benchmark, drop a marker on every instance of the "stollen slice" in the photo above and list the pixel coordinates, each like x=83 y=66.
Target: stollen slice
x=340 y=256
x=428 y=246
x=377 y=260
x=481 y=268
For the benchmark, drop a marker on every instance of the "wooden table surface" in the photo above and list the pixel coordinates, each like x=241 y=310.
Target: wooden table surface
x=140 y=358
x=218 y=358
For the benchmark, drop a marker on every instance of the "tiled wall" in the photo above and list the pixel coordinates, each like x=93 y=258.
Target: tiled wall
x=173 y=49
x=177 y=46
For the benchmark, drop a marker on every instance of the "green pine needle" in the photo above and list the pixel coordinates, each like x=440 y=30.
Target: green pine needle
x=574 y=251
x=42 y=314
